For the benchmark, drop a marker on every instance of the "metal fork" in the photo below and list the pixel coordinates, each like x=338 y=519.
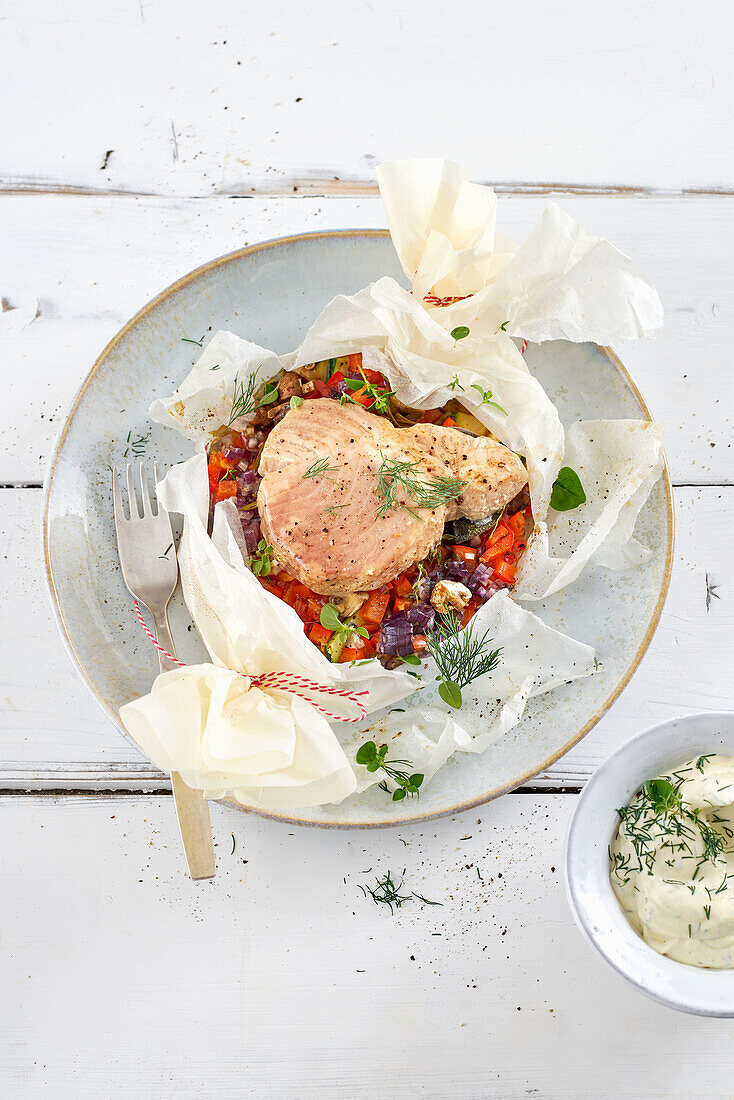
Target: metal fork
x=150 y=570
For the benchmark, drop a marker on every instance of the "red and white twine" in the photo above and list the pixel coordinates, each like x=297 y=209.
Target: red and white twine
x=281 y=681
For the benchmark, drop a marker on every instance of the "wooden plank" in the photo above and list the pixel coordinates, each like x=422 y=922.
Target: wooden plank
x=91 y=262
x=176 y=97
x=52 y=734
x=135 y=982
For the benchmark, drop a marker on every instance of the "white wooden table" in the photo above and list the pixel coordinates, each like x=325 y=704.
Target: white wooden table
x=139 y=138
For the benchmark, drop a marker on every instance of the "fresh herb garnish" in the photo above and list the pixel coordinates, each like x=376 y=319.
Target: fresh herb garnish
x=199 y=342
x=428 y=492
x=658 y=820
x=261 y=562
x=460 y=656
x=386 y=892
x=459 y=333
x=503 y=327
x=329 y=619
x=375 y=759
x=487 y=399
x=137 y=446
x=296 y=402
x=321 y=468
x=270 y=396
x=455 y=384
x=165 y=552
x=568 y=492
x=243 y=401
x=215 y=367
x=380 y=398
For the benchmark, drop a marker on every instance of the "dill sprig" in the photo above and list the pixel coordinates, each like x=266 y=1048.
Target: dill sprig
x=321 y=468
x=243 y=401
x=374 y=759
x=461 y=656
x=387 y=892
x=658 y=821
x=425 y=492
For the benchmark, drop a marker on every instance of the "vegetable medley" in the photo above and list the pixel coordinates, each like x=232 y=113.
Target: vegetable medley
x=471 y=563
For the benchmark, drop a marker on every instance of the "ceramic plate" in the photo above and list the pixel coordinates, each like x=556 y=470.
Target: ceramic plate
x=270 y=294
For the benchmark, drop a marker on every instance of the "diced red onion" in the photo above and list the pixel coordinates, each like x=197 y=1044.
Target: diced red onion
x=422 y=616
x=235 y=454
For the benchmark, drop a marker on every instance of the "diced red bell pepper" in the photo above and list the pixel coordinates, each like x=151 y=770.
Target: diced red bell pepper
x=402 y=585
x=449 y=422
x=348 y=654
x=300 y=607
x=497 y=533
x=314 y=609
x=321 y=388
x=362 y=398
x=465 y=553
x=275 y=589
x=319 y=635
x=372 y=611
x=354 y=362
x=470 y=610
x=335 y=379
x=505 y=572
x=238 y=440
x=301 y=590
x=226 y=489
x=369 y=648
x=431 y=416
x=516 y=523
x=498 y=549
x=374 y=378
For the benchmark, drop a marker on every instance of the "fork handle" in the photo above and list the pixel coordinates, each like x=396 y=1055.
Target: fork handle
x=192 y=809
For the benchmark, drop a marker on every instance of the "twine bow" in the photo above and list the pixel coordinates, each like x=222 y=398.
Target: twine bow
x=282 y=681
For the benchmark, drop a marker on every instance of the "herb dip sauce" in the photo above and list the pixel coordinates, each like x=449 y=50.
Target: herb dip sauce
x=672 y=862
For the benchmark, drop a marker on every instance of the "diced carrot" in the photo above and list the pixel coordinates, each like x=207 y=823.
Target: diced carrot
x=420 y=644
x=301 y=590
x=226 y=489
x=348 y=654
x=354 y=362
x=470 y=610
x=505 y=572
x=318 y=634
x=369 y=648
x=449 y=422
x=465 y=553
x=402 y=603
x=372 y=611
x=238 y=440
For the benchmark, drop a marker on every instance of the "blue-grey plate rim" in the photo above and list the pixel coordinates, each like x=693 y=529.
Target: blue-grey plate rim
x=287 y=817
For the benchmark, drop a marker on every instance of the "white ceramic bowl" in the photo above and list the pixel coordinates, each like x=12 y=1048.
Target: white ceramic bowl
x=592 y=900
